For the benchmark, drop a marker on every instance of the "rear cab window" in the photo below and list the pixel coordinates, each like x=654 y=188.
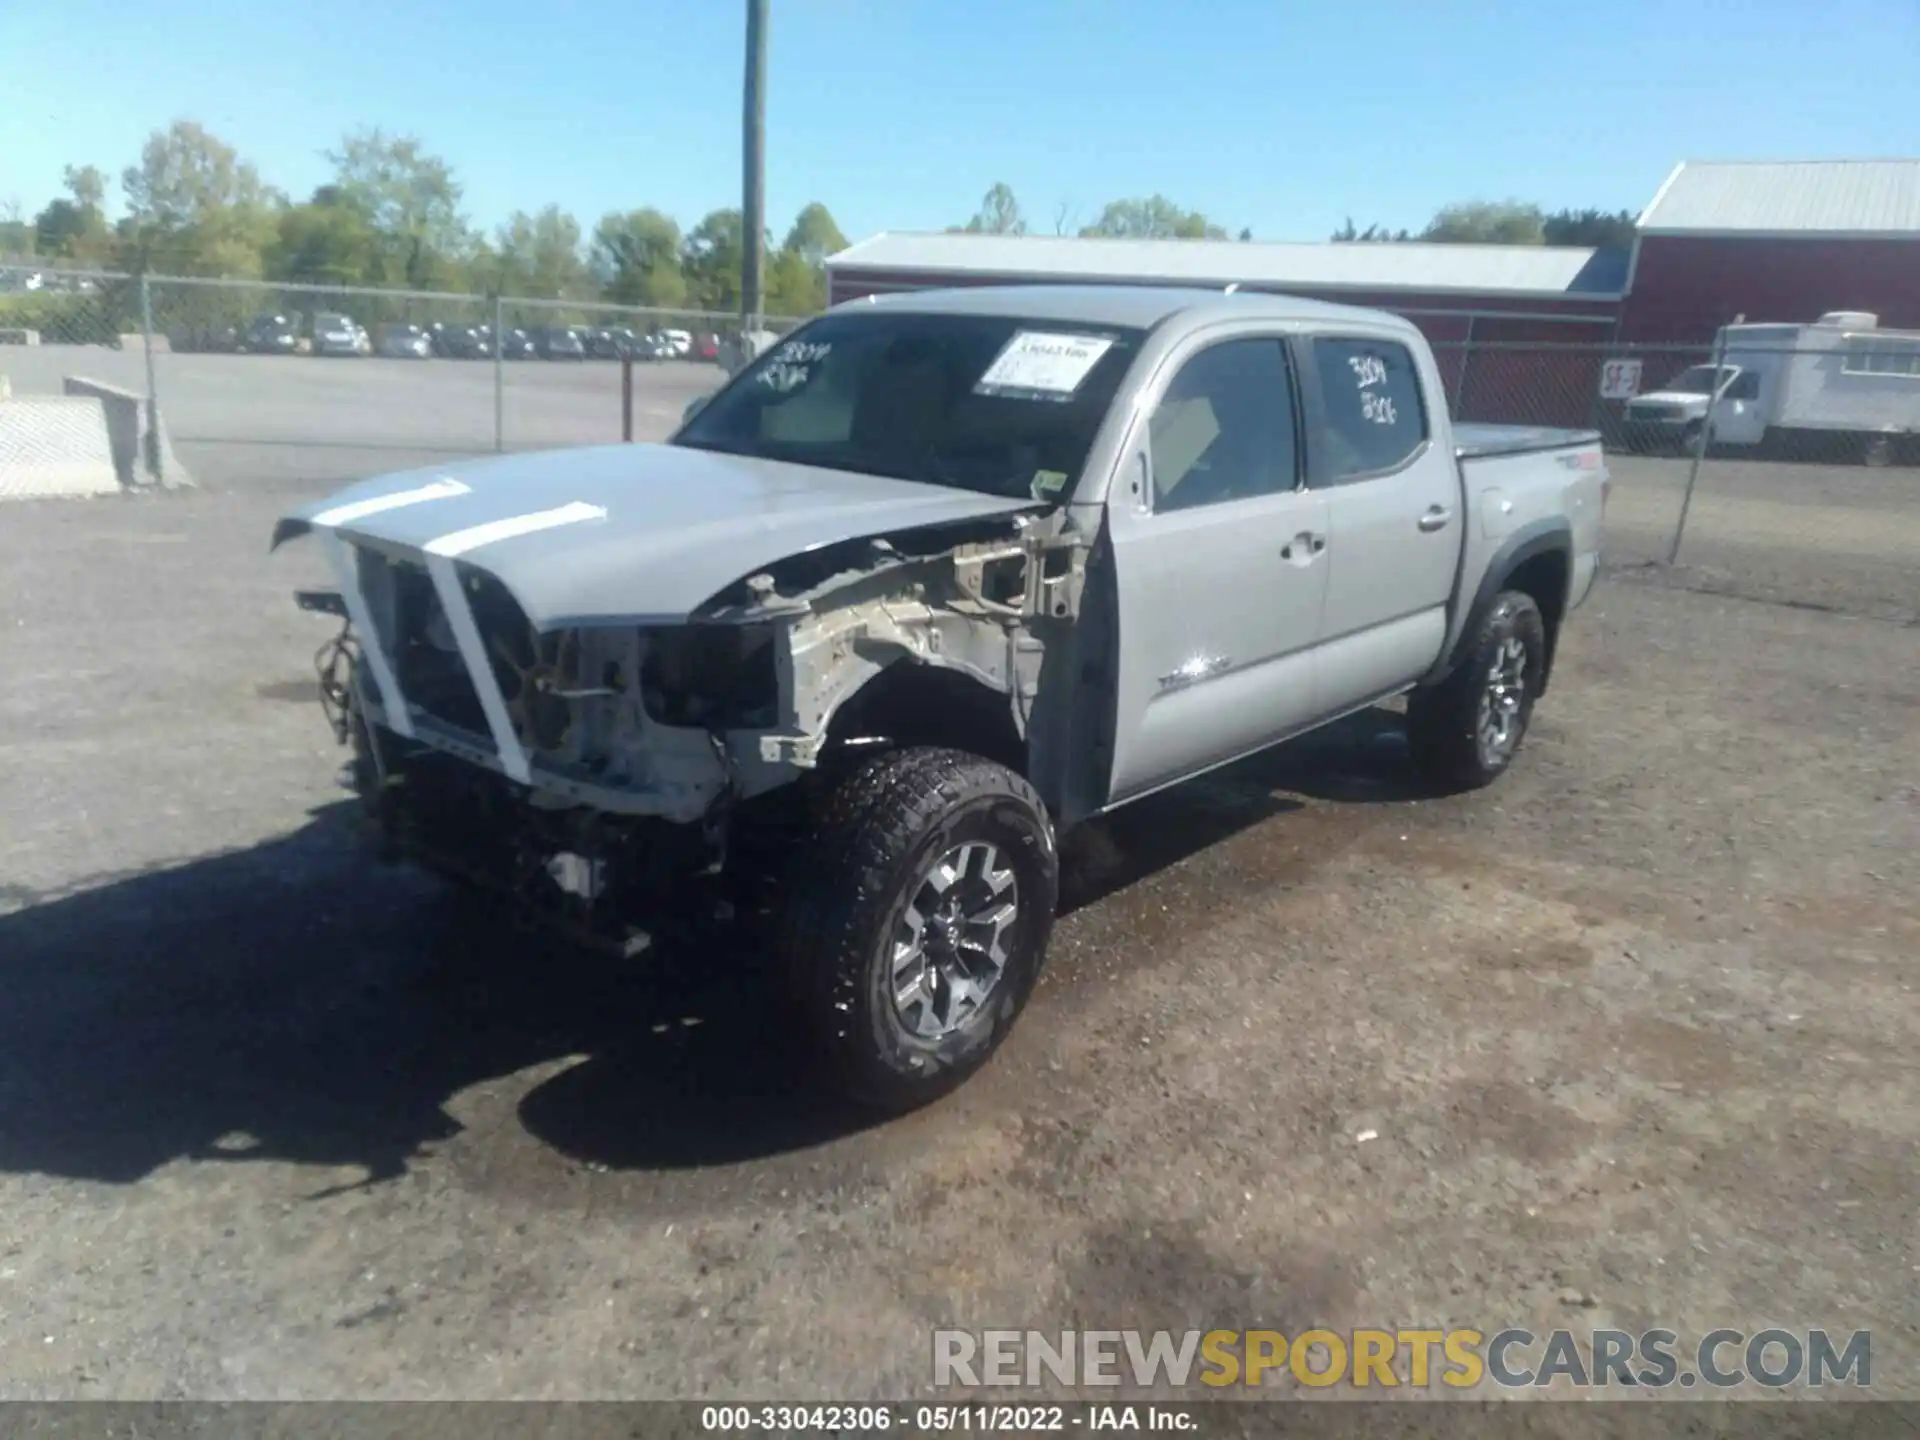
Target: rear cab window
x=1373 y=416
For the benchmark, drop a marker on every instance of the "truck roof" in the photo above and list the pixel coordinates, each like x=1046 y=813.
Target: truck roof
x=1134 y=306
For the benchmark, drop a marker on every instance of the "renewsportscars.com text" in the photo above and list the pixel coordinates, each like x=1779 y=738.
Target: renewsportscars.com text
x=1390 y=1359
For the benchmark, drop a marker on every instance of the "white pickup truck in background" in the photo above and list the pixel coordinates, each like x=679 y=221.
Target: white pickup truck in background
x=1840 y=388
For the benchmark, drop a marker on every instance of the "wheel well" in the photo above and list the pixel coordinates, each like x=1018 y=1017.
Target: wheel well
x=1544 y=577
x=914 y=704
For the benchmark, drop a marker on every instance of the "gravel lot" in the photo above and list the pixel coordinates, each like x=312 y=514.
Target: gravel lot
x=1636 y=1029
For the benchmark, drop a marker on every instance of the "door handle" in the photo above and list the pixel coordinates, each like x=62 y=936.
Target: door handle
x=1436 y=518
x=1303 y=547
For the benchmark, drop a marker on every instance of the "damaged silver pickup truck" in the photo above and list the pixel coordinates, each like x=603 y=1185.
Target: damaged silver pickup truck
x=930 y=581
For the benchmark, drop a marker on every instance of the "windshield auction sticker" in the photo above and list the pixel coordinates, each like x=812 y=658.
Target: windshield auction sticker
x=1041 y=365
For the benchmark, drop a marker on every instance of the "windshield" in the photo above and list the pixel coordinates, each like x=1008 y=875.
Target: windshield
x=984 y=403
x=1697 y=380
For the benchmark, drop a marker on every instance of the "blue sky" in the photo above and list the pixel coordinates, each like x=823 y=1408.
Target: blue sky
x=1282 y=115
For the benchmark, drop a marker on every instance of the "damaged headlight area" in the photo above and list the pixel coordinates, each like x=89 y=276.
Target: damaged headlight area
x=596 y=703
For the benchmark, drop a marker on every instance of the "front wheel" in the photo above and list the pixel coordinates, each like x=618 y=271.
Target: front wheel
x=1464 y=732
x=916 y=920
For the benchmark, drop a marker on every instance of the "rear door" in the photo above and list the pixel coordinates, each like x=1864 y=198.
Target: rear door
x=1220 y=564
x=1395 y=519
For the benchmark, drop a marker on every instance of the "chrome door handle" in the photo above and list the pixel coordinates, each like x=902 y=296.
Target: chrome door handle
x=1436 y=518
x=1303 y=547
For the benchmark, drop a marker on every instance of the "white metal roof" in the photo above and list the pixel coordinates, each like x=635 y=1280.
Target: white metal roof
x=1141 y=306
x=1795 y=197
x=1536 y=270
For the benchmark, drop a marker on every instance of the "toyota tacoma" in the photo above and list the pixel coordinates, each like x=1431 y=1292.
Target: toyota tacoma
x=927 y=583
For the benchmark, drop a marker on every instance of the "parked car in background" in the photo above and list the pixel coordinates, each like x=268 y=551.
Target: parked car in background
x=462 y=342
x=270 y=335
x=679 y=343
x=1154 y=530
x=557 y=342
x=339 y=335
x=405 y=342
x=706 y=346
x=212 y=339
x=610 y=344
x=517 y=345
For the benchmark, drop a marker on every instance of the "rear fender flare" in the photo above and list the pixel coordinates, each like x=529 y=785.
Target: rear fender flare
x=1553 y=535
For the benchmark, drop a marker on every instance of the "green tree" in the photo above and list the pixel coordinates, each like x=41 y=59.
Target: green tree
x=327 y=241
x=76 y=228
x=1488 y=222
x=793 y=286
x=999 y=213
x=539 y=256
x=797 y=273
x=16 y=233
x=1154 y=218
x=87 y=184
x=1597 y=229
x=710 y=259
x=814 y=236
x=401 y=188
x=411 y=202
x=193 y=204
x=1348 y=234
x=58 y=229
x=636 y=258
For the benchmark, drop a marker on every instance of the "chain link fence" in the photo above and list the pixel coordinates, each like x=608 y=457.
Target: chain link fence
x=1786 y=468
x=263 y=382
x=1778 y=471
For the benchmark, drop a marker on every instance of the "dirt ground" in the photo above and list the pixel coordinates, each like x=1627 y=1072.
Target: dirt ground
x=1636 y=1030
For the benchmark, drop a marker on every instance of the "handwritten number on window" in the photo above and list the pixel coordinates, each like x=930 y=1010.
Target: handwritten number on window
x=1369 y=371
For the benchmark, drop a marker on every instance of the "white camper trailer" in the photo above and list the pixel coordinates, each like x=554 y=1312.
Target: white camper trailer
x=1840 y=387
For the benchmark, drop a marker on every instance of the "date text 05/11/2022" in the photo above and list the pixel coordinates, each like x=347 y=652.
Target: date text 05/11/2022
x=941 y=1419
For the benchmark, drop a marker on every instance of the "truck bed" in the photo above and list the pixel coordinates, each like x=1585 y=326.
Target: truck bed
x=1481 y=442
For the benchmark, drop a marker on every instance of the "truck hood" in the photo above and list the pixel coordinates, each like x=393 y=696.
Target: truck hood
x=629 y=534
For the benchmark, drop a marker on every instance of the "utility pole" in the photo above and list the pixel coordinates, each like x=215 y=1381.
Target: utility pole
x=753 y=207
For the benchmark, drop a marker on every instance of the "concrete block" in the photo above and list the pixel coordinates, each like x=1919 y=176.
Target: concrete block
x=56 y=445
x=142 y=454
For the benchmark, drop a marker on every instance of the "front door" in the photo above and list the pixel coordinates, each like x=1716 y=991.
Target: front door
x=1738 y=416
x=1395 y=518
x=1221 y=570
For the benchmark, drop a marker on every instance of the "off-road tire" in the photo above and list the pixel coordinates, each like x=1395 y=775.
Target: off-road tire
x=851 y=882
x=1444 y=722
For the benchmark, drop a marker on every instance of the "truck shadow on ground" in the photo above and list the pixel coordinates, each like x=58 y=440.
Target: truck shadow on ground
x=298 y=1002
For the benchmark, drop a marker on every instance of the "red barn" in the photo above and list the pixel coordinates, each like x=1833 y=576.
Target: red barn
x=1467 y=299
x=1776 y=242
x=1521 y=330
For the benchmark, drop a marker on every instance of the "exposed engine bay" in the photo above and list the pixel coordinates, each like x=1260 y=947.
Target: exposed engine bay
x=641 y=742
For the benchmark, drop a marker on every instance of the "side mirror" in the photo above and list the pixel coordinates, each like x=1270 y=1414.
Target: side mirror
x=694 y=407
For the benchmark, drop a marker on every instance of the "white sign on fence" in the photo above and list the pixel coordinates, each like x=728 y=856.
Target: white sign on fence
x=1619 y=379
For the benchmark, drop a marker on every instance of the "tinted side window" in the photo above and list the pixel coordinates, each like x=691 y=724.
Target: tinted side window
x=1224 y=430
x=1375 y=419
x=1745 y=386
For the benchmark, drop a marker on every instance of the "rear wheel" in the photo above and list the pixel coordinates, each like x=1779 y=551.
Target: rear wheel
x=1464 y=732
x=915 y=921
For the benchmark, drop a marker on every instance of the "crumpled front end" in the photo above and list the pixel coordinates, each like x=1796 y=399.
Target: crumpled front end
x=598 y=764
